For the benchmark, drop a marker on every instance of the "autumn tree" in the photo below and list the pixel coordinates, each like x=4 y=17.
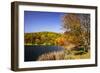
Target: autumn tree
x=79 y=26
x=60 y=41
x=71 y=22
x=85 y=25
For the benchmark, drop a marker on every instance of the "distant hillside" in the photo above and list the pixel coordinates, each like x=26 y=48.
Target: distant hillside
x=41 y=38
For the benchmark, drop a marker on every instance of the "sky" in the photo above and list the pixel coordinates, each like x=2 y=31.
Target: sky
x=35 y=21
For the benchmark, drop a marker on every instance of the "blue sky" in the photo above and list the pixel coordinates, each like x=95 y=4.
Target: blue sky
x=35 y=21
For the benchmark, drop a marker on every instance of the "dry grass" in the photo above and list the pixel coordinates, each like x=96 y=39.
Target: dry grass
x=52 y=56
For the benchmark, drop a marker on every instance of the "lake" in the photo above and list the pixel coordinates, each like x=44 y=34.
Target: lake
x=31 y=53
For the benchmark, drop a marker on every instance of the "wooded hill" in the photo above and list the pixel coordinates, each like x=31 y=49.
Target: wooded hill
x=41 y=38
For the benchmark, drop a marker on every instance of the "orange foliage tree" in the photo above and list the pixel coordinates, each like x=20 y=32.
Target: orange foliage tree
x=60 y=41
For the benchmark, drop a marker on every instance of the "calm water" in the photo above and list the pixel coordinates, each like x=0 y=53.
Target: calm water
x=33 y=52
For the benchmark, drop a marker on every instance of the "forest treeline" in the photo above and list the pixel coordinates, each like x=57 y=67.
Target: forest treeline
x=41 y=38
